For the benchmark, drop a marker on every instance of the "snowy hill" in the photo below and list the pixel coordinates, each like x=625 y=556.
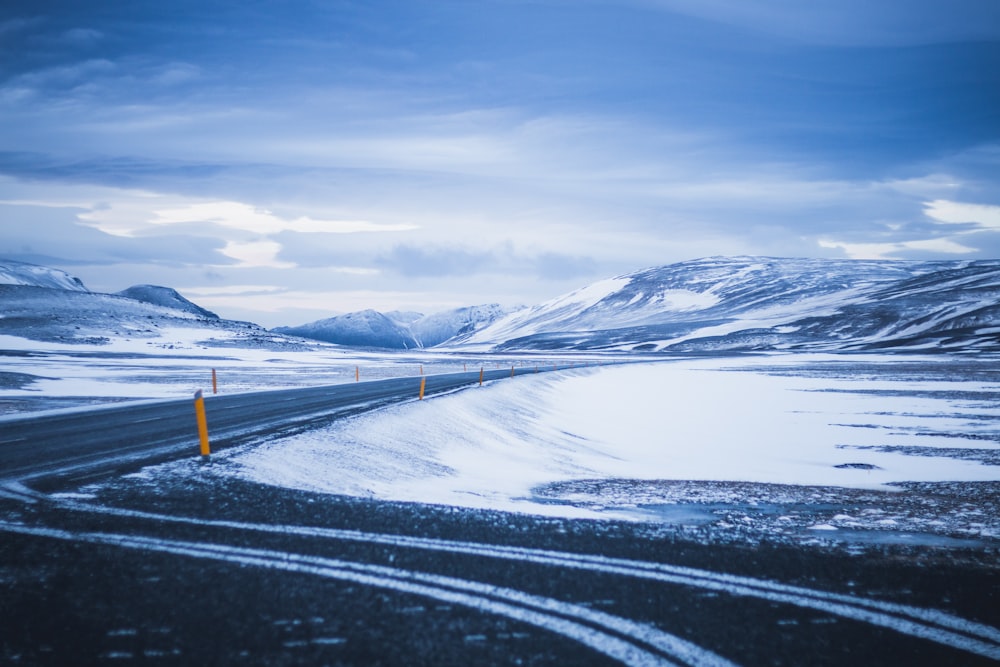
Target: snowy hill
x=165 y=296
x=366 y=328
x=32 y=275
x=45 y=304
x=398 y=329
x=749 y=303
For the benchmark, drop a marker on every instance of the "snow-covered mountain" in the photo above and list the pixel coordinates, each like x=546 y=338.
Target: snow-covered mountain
x=366 y=328
x=752 y=303
x=436 y=329
x=398 y=329
x=714 y=304
x=32 y=275
x=45 y=304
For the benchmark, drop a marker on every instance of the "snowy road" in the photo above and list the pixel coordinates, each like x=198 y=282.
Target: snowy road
x=82 y=444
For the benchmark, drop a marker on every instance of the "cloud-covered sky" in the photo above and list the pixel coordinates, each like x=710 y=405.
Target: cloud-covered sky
x=285 y=161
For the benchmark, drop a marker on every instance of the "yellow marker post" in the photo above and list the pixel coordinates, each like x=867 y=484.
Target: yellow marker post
x=423 y=383
x=480 y=376
x=357 y=373
x=215 y=384
x=199 y=411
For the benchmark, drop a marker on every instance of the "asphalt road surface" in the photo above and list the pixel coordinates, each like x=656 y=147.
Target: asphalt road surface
x=78 y=445
x=194 y=568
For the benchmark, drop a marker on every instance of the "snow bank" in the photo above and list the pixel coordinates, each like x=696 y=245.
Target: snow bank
x=690 y=420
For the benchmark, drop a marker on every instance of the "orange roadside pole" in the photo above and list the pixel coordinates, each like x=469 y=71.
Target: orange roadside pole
x=199 y=411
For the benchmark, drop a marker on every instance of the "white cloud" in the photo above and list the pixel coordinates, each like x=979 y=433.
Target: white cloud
x=137 y=212
x=229 y=290
x=886 y=250
x=976 y=218
x=925 y=186
x=256 y=254
x=986 y=217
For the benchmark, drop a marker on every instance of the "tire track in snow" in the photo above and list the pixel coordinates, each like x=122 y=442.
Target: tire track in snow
x=918 y=622
x=618 y=638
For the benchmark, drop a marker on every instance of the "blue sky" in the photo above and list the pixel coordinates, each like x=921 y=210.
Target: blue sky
x=282 y=162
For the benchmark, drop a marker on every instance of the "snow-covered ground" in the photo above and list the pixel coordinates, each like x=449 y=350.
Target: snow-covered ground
x=886 y=445
x=43 y=375
x=623 y=442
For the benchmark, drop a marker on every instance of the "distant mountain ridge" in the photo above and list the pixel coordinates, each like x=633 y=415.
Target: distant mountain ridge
x=754 y=303
x=397 y=330
x=46 y=304
x=365 y=328
x=716 y=304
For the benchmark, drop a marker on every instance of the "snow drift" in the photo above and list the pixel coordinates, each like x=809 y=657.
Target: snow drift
x=820 y=421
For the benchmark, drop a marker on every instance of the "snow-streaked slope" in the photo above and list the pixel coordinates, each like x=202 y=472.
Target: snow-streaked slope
x=367 y=328
x=404 y=317
x=564 y=313
x=436 y=329
x=766 y=303
x=20 y=273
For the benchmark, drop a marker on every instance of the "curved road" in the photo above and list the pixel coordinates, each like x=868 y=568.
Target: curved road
x=81 y=445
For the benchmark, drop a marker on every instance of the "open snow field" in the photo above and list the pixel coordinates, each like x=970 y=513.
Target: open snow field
x=51 y=375
x=873 y=442
x=823 y=447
